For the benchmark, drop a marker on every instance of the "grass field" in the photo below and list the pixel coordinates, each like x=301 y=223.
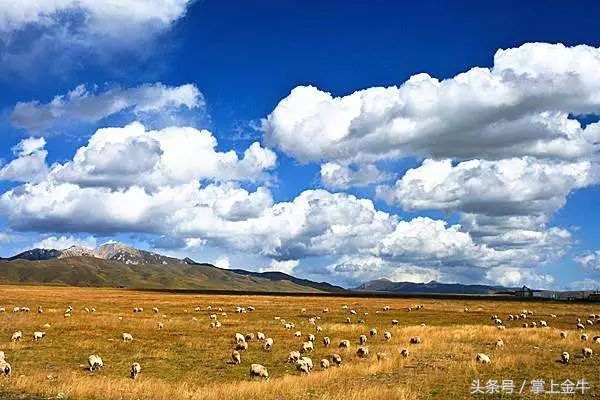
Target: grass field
x=189 y=360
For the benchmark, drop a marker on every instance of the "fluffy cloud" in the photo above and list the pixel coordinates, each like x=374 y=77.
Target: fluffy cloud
x=64 y=242
x=29 y=164
x=81 y=104
x=589 y=259
x=286 y=266
x=508 y=276
x=519 y=107
x=341 y=176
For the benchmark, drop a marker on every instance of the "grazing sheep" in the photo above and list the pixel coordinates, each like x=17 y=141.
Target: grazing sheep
x=86 y=309
x=326 y=341
x=353 y=312
x=127 y=337
x=336 y=359
x=564 y=357
x=40 y=310
x=386 y=308
x=596 y=339
x=525 y=325
x=415 y=340
x=587 y=352
x=268 y=344
x=311 y=338
x=362 y=352
x=288 y=325
x=155 y=309
x=303 y=311
x=499 y=343
x=395 y=322
x=553 y=316
x=308 y=362
x=580 y=326
x=404 y=353
x=38 y=335
x=95 y=362
x=483 y=358
x=249 y=337
x=67 y=315
x=319 y=328
x=345 y=307
x=18 y=335
x=533 y=324
x=16 y=309
x=213 y=317
x=563 y=334
x=324 y=363
x=584 y=337
x=387 y=335
x=25 y=309
x=297 y=334
x=239 y=338
x=498 y=321
x=344 y=344
x=197 y=309
x=294 y=356
x=258 y=370
x=260 y=336
x=362 y=339
x=236 y=357
x=93 y=309
x=5 y=367
x=2 y=309
x=241 y=346
x=373 y=332
x=306 y=347
x=161 y=325
x=302 y=366
x=543 y=324
x=135 y=370
x=348 y=320
x=325 y=310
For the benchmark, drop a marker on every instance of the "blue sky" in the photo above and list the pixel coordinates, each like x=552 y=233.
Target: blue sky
x=503 y=180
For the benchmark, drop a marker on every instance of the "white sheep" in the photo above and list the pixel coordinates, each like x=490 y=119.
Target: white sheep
x=543 y=324
x=294 y=356
x=16 y=309
x=95 y=362
x=308 y=362
x=236 y=357
x=563 y=334
x=326 y=341
x=213 y=317
x=215 y=325
x=580 y=326
x=38 y=335
x=373 y=332
x=353 y=312
x=589 y=322
x=386 y=308
x=584 y=337
x=249 y=337
x=127 y=337
x=239 y=338
x=297 y=334
x=260 y=336
x=155 y=309
x=268 y=345
x=2 y=309
x=302 y=366
x=18 y=335
x=404 y=353
x=362 y=352
x=362 y=339
x=241 y=346
x=259 y=370
x=311 y=338
x=161 y=325
x=5 y=367
x=344 y=344
x=324 y=363
x=587 y=352
x=337 y=359
x=319 y=328
x=135 y=370
x=499 y=343
x=387 y=335
x=415 y=340
x=483 y=358
x=306 y=347
x=395 y=322
x=564 y=357
x=596 y=339
x=40 y=310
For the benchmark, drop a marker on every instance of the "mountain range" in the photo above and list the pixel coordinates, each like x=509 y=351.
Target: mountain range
x=114 y=264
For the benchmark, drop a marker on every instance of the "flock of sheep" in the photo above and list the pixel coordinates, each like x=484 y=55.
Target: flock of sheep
x=300 y=357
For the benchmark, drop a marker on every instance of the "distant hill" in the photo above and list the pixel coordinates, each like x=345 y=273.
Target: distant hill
x=385 y=285
x=116 y=265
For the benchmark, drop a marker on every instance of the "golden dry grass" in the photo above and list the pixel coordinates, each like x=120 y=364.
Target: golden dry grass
x=188 y=360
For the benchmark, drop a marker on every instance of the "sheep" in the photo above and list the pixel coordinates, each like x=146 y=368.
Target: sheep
x=362 y=352
x=319 y=328
x=302 y=366
x=533 y=324
x=596 y=339
x=483 y=358
x=344 y=307
x=337 y=359
x=584 y=337
x=386 y=308
x=564 y=357
x=543 y=324
x=311 y=338
x=197 y=309
x=580 y=326
x=348 y=320
x=135 y=370
x=25 y=309
x=553 y=316
x=95 y=362
x=5 y=367
x=268 y=345
x=326 y=341
x=155 y=309
x=498 y=321
x=587 y=352
x=306 y=347
x=297 y=334
x=86 y=309
x=161 y=325
x=215 y=325
x=373 y=332
x=395 y=322
x=127 y=337
x=241 y=346
x=589 y=322
x=239 y=338
x=236 y=358
x=415 y=340
x=344 y=344
x=324 y=363
x=303 y=311
x=563 y=334
x=67 y=315
x=362 y=339
x=289 y=325
x=404 y=352
x=260 y=336
x=249 y=337
x=499 y=343
x=325 y=310
x=93 y=309
x=38 y=335
x=213 y=317
x=18 y=335
x=40 y=310
x=294 y=356
x=16 y=309
x=2 y=309
x=353 y=312
x=308 y=362
x=259 y=370
x=525 y=325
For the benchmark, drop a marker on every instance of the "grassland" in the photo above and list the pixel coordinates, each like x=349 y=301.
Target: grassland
x=188 y=360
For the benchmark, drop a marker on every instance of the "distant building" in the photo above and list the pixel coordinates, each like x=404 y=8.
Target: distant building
x=524 y=292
